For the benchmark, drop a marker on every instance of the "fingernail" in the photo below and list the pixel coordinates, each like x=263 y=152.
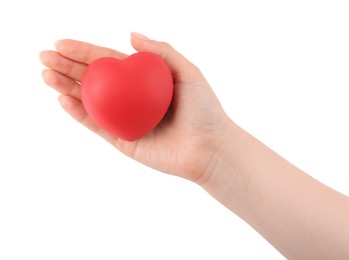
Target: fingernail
x=40 y=54
x=139 y=36
x=57 y=44
x=62 y=100
x=43 y=73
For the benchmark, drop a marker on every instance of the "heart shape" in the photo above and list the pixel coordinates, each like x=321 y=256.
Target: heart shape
x=127 y=98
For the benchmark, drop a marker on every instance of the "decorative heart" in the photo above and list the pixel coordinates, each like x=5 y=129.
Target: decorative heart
x=127 y=98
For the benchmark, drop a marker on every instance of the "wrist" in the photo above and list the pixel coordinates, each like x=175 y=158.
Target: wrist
x=221 y=169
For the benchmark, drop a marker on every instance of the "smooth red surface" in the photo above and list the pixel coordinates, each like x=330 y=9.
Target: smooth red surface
x=127 y=98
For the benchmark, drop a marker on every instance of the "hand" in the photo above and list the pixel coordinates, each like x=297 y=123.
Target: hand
x=188 y=137
x=196 y=140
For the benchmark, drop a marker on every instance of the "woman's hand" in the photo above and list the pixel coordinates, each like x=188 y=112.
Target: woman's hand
x=188 y=137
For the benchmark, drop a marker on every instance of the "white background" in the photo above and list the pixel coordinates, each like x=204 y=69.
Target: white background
x=280 y=69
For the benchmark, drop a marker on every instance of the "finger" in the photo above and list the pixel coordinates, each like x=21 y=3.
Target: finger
x=177 y=62
x=61 y=83
x=65 y=66
x=85 y=52
x=75 y=108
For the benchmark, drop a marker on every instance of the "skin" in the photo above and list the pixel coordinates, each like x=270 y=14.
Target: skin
x=196 y=140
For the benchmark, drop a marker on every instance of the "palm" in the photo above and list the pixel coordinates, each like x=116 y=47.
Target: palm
x=176 y=145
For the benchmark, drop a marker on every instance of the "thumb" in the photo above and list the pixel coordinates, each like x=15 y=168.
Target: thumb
x=174 y=59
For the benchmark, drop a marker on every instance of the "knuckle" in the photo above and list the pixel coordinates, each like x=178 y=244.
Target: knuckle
x=165 y=45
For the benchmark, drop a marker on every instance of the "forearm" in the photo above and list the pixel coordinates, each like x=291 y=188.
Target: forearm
x=298 y=215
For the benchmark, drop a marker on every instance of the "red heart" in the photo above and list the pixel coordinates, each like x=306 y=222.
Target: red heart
x=127 y=98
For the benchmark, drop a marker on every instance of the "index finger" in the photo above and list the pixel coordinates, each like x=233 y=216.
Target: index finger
x=85 y=52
